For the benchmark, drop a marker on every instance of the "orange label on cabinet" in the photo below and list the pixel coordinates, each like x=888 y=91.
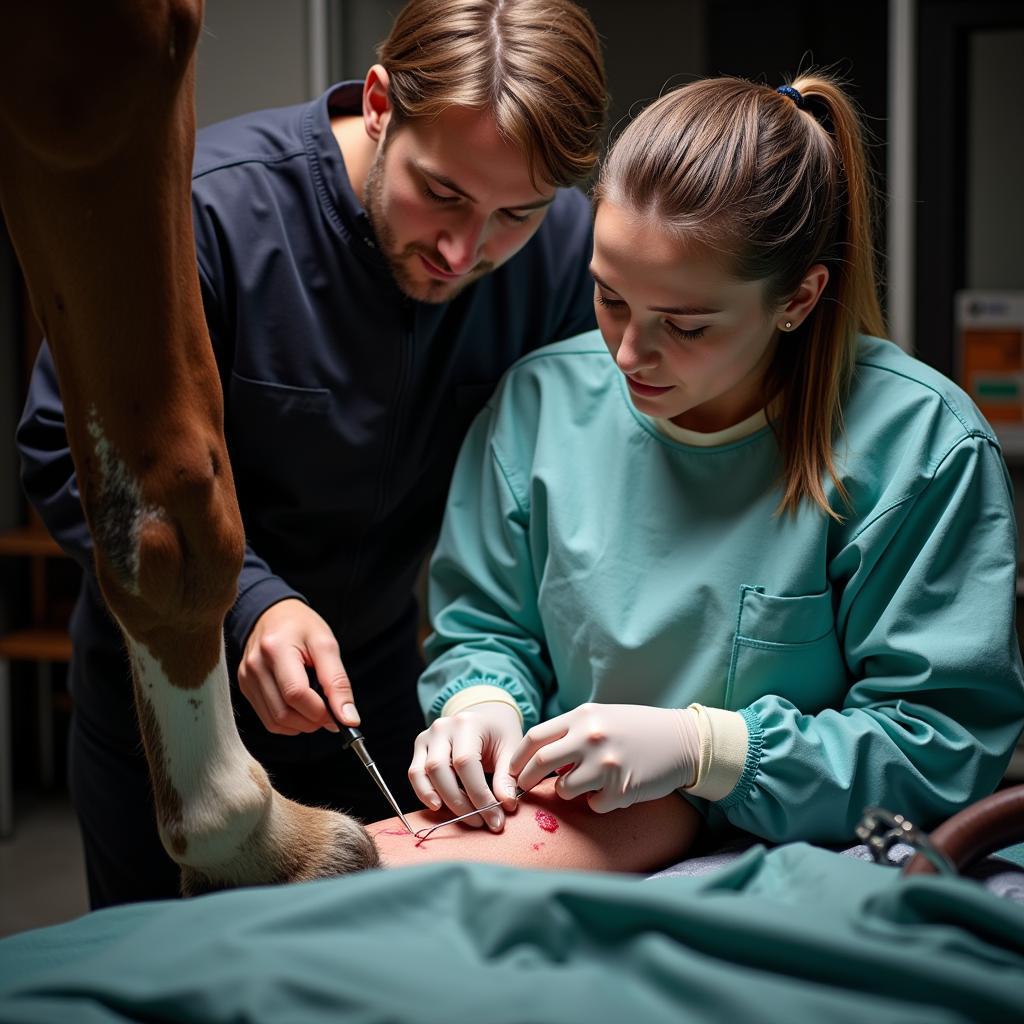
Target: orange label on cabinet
x=993 y=371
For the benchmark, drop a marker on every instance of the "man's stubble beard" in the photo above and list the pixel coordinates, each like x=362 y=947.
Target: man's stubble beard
x=434 y=292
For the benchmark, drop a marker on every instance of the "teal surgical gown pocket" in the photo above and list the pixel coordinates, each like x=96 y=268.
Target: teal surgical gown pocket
x=786 y=647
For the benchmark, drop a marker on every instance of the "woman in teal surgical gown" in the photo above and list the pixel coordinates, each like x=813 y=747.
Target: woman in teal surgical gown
x=733 y=544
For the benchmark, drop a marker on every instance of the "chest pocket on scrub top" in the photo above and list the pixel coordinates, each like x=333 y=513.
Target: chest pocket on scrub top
x=786 y=646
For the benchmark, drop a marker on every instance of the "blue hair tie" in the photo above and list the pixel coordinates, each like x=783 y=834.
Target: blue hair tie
x=793 y=94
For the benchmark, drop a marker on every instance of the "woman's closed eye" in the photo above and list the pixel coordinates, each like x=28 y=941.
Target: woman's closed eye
x=618 y=306
x=607 y=303
x=679 y=332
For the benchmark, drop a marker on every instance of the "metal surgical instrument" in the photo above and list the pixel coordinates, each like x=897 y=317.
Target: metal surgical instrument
x=356 y=742
x=425 y=833
x=881 y=830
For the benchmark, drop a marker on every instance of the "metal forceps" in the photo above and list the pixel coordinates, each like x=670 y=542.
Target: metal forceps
x=426 y=832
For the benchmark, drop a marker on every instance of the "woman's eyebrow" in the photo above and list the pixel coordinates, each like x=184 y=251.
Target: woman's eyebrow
x=604 y=284
x=672 y=310
x=685 y=310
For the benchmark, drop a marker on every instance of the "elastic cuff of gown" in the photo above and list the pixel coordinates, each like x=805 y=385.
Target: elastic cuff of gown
x=482 y=693
x=506 y=683
x=755 y=743
x=723 y=752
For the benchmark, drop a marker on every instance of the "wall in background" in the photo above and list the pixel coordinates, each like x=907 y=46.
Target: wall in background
x=995 y=163
x=649 y=47
x=355 y=28
x=251 y=54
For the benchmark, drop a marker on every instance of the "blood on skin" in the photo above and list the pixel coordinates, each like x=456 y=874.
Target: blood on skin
x=546 y=821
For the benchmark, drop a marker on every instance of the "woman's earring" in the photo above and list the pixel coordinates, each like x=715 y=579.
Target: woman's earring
x=788 y=325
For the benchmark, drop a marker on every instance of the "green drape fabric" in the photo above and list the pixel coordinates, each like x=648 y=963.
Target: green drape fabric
x=792 y=935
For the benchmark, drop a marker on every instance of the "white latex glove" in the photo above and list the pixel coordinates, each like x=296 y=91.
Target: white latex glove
x=620 y=754
x=458 y=750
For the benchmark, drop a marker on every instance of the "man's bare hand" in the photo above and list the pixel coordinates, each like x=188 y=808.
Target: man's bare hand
x=288 y=638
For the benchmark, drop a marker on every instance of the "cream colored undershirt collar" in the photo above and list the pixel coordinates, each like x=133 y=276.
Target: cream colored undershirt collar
x=738 y=431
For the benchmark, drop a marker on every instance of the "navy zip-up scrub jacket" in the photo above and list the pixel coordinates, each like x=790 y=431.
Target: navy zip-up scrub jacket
x=345 y=402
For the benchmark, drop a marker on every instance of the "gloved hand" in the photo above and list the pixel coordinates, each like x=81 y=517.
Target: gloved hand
x=620 y=753
x=286 y=638
x=460 y=749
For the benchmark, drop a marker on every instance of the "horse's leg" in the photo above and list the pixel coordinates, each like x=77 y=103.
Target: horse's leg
x=97 y=133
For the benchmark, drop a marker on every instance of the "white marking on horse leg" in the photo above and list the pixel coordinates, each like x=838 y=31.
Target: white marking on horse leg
x=119 y=511
x=216 y=778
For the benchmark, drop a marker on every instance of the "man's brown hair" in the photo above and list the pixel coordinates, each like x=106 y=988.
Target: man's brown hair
x=536 y=64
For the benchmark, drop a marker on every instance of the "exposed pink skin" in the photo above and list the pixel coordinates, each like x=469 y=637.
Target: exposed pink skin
x=640 y=838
